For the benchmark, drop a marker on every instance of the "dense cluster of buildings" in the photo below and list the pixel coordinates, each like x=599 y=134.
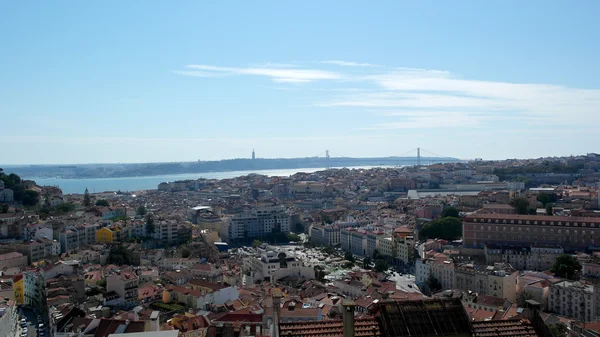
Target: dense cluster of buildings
x=208 y=258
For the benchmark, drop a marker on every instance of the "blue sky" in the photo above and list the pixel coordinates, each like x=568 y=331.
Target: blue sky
x=141 y=81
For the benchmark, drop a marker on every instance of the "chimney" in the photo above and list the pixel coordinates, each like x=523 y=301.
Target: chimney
x=348 y=317
x=276 y=311
x=534 y=311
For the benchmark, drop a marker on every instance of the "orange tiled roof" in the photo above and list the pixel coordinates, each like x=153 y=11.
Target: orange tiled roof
x=364 y=327
x=513 y=328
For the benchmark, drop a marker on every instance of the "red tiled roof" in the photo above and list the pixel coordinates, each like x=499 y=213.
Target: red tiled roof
x=363 y=327
x=204 y=284
x=109 y=326
x=240 y=317
x=512 y=328
x=532 y=217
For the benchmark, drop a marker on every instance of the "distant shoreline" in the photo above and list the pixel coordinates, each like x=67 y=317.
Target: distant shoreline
x=133 y=171
x=144 y=183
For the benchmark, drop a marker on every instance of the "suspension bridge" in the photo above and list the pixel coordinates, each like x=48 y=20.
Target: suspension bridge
x=418 y=156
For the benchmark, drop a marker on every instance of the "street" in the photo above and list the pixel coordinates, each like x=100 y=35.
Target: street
x=32 y=323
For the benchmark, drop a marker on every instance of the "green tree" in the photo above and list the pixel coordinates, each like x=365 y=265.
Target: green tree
x=566 y=266
x=320 y=273
x=328 y=250
x=120 y=255
x=549 y=209
x=450 y=212
x=86 y=198
x=544 y=198
x=348 y=265
x=558 y=330
x=381 y=266
x=4 y=208
x=185 y=253
x=150 y=224
x=521 y=205
x=101 y=283
x=256 y=243
x=522 y=297
x=293 y=237
x=65 y=207
x=433 y=283
x=102 y=203
x=447 y=228
x=367 y=263
x=30 y=198
x=348 y=256
x=141 y=210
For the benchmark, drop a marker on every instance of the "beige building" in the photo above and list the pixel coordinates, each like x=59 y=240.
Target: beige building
x=498 y=280
x=325 y=235
x=405 y=248
x=125 y=284
x=12 y=260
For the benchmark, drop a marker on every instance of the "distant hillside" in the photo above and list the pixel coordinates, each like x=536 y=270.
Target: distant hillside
x=153 y=169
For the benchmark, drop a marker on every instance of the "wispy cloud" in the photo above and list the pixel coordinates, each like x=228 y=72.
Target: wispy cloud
x=349 y=64
x=428 y=96
x=275 y=73
x=425 y=98
x=273 y=65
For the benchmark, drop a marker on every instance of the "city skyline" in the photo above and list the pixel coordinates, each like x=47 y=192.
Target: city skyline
x=122 y=82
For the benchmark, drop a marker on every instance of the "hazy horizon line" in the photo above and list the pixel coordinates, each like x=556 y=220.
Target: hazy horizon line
x=217 y=160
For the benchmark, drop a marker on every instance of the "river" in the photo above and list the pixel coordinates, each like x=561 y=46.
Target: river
x=95 y=185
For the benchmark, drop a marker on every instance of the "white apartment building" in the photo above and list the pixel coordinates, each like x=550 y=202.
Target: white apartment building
x=443 y=271
x=273 y=265
x=325 y=235
x=258 y=222
x=572 y=299
x=167 y=231
x=34 y=289
x=439 y=267
x=69 y=240
x=535 y=257
x=39 y=249
x=41 y=232
x=173 y=263
x=422 y=271
x=8 y=318
x=385 y=245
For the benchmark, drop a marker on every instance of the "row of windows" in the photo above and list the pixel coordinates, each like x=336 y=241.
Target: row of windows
x=535 y=230
x=536 y=222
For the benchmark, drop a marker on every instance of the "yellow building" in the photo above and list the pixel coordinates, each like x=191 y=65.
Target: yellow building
x=19 y=290
x=108 y=235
